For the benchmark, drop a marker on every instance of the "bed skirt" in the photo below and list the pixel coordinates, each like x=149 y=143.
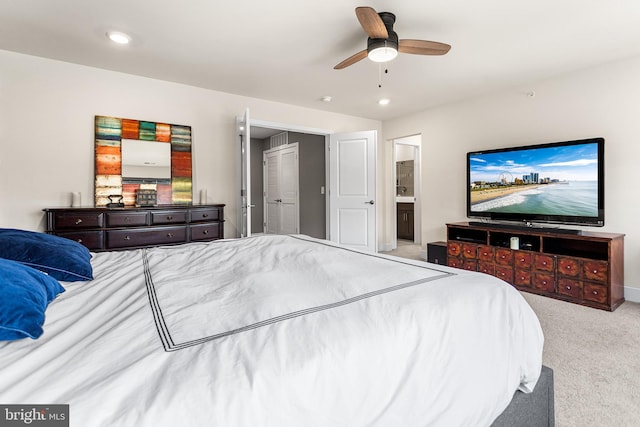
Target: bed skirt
x=535 y=409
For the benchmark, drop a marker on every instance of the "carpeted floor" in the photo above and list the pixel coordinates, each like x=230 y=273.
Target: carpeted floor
x=595 y=356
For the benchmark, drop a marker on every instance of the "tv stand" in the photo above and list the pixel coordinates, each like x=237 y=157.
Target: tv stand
x=526 y=226
x=585 y=268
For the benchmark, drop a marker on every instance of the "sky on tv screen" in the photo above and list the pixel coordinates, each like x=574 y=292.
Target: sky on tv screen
x=568 y=163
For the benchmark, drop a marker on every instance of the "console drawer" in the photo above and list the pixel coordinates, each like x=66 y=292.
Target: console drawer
x=595 y=270
x=144 y=237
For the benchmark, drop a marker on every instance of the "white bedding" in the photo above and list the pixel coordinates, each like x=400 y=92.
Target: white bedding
x=257 y=334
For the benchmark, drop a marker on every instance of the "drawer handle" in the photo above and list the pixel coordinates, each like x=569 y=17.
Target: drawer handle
x=79 y=240
x=169 y=217
x=568 y=267
x=568 y=287
x=205 y=232
x=78 y=221
x=544 y=262
x=544 y=282
x=595 y=292
x=595 y=271
x=127 y=238
x=205 y=215
x=522 y=260
x=169 y=234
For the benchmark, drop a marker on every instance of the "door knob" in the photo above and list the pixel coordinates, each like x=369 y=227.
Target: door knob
x=279 y=200
x=370 y=202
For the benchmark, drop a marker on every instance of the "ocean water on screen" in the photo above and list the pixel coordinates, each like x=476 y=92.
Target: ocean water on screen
x=579 y=198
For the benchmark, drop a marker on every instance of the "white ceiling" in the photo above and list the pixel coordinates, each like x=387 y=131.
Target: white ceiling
x=285 y=50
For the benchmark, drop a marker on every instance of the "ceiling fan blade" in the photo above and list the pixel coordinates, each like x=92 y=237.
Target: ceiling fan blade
x=371 y=22
x=422 y=47
x=351 y=60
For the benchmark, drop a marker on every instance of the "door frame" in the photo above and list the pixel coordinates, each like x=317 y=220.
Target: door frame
x=308 y=130
x=416 y=142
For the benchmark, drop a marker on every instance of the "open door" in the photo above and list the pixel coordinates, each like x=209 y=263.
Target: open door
x=243 y=130
x=352 y=190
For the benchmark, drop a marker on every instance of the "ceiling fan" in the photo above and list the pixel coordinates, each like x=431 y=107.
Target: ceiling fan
x=383 y=44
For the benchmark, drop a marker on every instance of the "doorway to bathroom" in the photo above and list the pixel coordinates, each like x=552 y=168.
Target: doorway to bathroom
x=407 y=200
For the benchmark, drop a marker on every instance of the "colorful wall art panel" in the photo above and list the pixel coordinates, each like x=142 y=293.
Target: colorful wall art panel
x=140 y=165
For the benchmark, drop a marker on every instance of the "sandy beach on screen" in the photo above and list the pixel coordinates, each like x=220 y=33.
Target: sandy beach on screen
x=495 y=193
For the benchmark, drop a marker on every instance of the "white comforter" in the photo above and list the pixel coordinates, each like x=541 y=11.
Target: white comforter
x=257 y=334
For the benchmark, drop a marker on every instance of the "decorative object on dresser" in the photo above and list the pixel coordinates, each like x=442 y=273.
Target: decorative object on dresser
x=134 y=154
x=585 y=268
x=102 y=229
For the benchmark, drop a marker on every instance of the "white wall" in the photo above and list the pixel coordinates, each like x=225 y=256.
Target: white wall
x=47 y=111
x=603 y=101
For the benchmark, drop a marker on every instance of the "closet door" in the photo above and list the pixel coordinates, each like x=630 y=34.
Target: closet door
x=281 y=194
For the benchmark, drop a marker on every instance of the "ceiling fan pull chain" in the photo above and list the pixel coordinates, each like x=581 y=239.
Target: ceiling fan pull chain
x=380 y=75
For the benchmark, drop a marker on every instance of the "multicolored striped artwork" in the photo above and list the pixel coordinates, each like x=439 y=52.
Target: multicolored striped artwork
x=110 y=131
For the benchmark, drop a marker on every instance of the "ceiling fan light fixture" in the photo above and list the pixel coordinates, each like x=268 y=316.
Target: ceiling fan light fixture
x=383 y=54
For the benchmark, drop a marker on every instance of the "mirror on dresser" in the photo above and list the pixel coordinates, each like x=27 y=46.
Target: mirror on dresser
x=135 y=154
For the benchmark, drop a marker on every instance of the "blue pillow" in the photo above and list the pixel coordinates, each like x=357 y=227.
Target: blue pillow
x=61 y=258
x=25 y=293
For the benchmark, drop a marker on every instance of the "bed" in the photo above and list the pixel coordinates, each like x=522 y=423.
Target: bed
x=281 y=331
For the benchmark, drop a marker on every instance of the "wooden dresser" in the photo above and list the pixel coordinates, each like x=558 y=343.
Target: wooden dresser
x=106 y=229
x=586 y=268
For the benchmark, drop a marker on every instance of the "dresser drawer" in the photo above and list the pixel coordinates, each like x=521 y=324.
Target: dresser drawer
x=504 y=273
x=93 y=240
x=595 y=293
x=74 y=220
x=544 y=282
x=454 y=249
x=454 y=262
x=595 y=270
x=168 y=217
x=135 y=237
x=522 y=278
x=543 y=262
x=522 y=259
x=504 y=256
x=487 y=268
x=570 y=288
x=200 y=215
x=485 y=253
x=568 y=266
x=469 y=250
x=126 y=219
x=205 y=231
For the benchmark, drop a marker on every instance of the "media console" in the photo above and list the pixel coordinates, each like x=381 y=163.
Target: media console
x=585 y=268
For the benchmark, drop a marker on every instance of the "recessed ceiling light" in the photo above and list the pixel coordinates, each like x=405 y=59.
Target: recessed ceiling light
x=384 y=101
x=118 y=37
x=326 y=98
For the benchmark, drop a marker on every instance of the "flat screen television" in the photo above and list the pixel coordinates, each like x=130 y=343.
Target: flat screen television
x=560 y=182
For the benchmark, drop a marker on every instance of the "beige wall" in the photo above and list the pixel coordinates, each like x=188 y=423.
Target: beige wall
x=47 y=111
x=603 y=101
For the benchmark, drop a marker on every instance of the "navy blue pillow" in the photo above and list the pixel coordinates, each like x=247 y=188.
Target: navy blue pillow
x=25 y=293
x=61 y=258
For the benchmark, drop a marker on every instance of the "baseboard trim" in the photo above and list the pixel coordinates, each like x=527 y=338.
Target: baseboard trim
x=631 y=294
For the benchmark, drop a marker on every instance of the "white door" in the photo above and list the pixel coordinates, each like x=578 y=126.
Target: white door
x=352 y=188
x=281 y=190
x=243 y=132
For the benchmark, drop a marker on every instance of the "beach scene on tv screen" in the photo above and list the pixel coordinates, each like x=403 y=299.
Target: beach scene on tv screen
x=561 y=180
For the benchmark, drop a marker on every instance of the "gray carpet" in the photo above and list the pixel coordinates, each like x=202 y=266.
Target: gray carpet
x=595 y=357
